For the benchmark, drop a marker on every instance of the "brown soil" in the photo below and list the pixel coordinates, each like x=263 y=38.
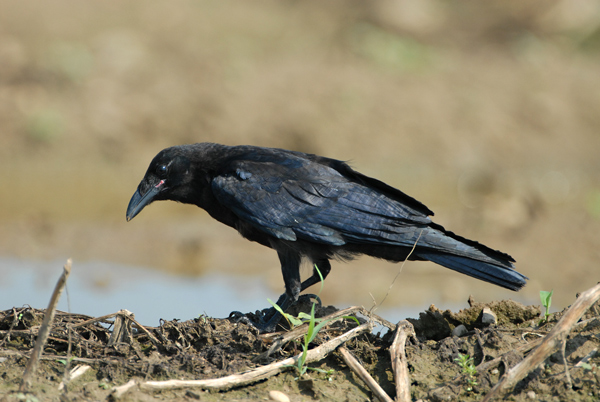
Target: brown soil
x=485 y=111
x=206 y=348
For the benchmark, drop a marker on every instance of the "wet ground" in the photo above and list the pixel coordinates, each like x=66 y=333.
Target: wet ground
x=208 y=348
x=486 y=112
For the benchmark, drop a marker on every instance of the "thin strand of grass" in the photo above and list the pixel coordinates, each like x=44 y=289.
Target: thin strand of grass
x=397 y=274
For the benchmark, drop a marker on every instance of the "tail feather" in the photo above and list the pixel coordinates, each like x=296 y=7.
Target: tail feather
x=499 y=274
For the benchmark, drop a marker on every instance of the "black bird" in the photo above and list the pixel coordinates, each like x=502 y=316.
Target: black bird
x=304 y=205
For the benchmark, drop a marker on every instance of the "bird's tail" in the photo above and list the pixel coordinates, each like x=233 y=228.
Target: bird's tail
x=500 y=273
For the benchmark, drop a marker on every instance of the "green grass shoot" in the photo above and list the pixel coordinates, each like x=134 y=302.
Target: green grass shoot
x=468 y=369
x=314 y=326
x=546 y=298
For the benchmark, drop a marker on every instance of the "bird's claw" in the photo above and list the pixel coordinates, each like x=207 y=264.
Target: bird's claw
x=309 y=297
x=268 y=319
x=236 y=315
x=261 y=327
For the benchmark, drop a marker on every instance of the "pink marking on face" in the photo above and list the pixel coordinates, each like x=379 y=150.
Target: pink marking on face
x=160 y=184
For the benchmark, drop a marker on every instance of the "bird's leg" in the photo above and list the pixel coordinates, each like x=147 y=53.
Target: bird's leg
x=324 y=267
x=284 y=301
x=290 y=268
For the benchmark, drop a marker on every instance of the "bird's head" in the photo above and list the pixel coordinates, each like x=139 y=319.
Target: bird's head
x=167 y=178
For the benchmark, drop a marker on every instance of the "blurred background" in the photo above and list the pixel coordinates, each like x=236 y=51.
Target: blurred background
x=487 y=112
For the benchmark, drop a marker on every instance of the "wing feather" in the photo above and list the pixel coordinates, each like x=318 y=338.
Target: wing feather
x=311 y=201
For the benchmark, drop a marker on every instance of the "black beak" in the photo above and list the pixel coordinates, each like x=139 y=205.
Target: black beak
x=139 y=201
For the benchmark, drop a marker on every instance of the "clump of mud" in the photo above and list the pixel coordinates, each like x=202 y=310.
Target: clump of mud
x=117 y=349
x=436 y=325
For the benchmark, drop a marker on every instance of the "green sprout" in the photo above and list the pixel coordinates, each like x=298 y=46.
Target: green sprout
x=314 y=326
x=26 y=397
x=203 y=318
x=546 y=298
x=65 y=361
x=468 y=369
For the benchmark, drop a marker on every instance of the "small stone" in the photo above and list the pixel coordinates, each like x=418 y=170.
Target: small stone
x=278 y=396
x=192 y=395
x=488 y=317
x=531 y=395
x=459 y=330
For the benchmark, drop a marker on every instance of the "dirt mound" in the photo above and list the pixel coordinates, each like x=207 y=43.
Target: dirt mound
x=116 y=349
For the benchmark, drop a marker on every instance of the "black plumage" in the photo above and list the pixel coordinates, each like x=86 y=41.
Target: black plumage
x=304 y=205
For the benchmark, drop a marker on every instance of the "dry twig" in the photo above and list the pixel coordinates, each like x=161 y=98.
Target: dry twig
x=488 y=365
x=360 y=371
x=281 y=339
x=122 y=329
x=587 y=358
x=104 y=319
x=45 y=329
x=152 y=338
x=548 y=345
x=399 y=361
x=250 y=376
x=14 y=322
x=70 y=375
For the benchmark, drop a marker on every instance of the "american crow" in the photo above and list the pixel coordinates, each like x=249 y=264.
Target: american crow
x=304 y=205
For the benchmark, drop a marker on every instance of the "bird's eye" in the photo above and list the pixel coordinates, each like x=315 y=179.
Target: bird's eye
x=161 y=170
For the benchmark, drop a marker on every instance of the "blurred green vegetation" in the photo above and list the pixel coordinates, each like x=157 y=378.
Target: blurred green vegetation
x=485 y=111
x=593 y=203
x=71 y=59
x=390 y=50
x=45 y=125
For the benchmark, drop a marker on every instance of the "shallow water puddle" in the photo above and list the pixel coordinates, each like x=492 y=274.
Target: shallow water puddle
x=99 y=288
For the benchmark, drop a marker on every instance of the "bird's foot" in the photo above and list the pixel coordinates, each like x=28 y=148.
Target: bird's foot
x=266 y=320
x=261 y=325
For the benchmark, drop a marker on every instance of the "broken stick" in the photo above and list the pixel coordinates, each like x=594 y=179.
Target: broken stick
x=404 y=329
x=253 y=375
x=363 y=374
x=44 y=329
x=549 y=344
